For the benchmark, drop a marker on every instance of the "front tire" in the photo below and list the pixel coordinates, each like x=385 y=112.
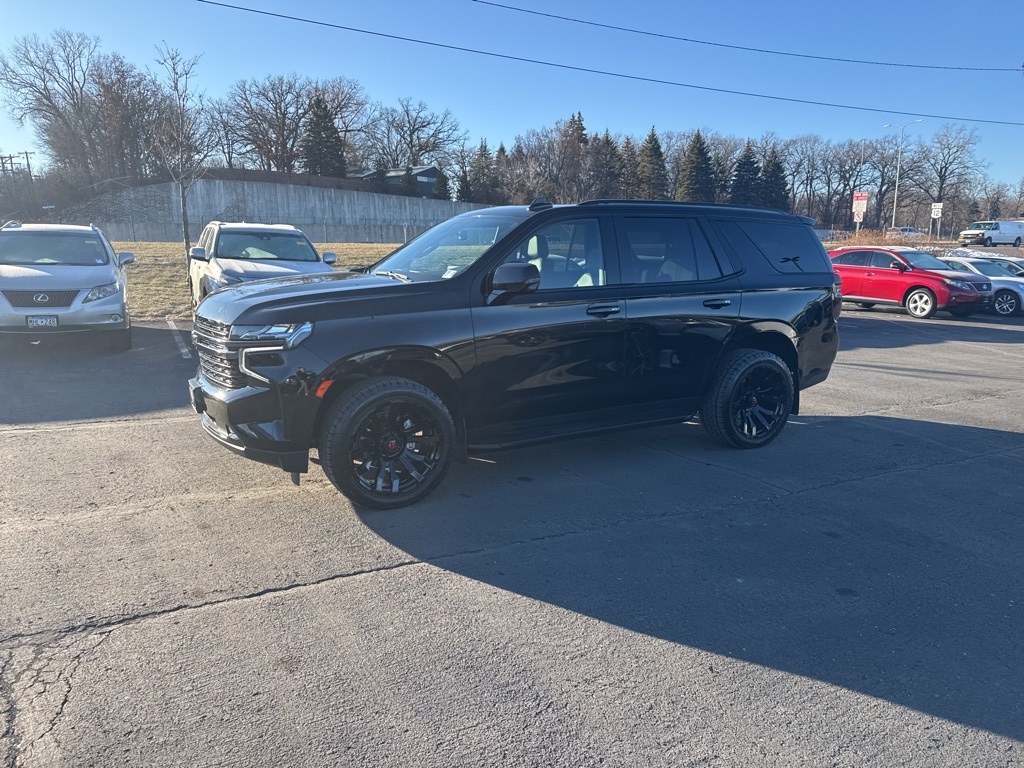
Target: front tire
x=387 y=442
x=1006 y=304
x=750 y=400
x=988 y=242
x=120 y=341
x=921 y=303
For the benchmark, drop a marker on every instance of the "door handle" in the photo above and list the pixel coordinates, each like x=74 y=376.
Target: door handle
x=717 y=303
x=603 y=310
x=869 y=274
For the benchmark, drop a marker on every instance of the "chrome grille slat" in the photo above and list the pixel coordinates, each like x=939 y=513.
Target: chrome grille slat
x=217 y=360
x=26 y=299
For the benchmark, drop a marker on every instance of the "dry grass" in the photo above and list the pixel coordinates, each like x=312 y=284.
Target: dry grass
x=157 y=287
x=875 y=237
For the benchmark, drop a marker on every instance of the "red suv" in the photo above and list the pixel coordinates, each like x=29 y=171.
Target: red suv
x=906 y=277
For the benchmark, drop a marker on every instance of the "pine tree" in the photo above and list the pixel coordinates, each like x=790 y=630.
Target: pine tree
x=321 y=149
x=409 y=187
x=651 y=172
x=483 y=177
x=774 y=192
x=605 y=165
x=629 y=180
x=746 y=181
x=442 y=190
x=696 y=176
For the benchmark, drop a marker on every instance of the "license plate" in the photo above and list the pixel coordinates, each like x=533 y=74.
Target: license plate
x=42 y=321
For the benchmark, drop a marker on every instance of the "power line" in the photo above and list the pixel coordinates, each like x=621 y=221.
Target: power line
x=741 y=47
x=606 y=73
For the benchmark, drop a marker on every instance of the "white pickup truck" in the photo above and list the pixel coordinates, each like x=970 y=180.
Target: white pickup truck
x=989 y=233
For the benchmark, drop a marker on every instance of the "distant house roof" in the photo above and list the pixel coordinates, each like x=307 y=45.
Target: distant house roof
x=394 y=173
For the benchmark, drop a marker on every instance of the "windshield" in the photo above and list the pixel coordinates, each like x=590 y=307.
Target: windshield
x=64 y=248
x=449 y=248
x=277 y=246
x=981 y=225
x=991 y=269
x=923 y=260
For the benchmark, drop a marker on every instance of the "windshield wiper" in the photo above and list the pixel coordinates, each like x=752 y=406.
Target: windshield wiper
x=395 y=275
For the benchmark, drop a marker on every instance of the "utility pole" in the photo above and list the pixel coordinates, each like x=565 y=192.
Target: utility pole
x=28 y=165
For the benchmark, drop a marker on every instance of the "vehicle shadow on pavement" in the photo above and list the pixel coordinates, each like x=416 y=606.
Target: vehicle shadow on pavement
x=877 y=554
x=890 y=329
x=79 y=378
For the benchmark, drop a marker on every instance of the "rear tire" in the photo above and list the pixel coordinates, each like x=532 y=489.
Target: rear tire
x=1016 y=243
x=750 y=400
x=865 y=304
x=921 y=303
x=387 y=442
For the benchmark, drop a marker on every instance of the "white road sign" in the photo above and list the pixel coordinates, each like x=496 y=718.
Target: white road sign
x=936 y=210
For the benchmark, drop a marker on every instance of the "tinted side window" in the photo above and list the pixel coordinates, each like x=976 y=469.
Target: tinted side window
x=882 y=260
x=786 y=247
x=568 y=254
x=669 y=250
x=855 y=259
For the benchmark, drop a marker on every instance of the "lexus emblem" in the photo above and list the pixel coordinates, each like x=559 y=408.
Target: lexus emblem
x=40 y=298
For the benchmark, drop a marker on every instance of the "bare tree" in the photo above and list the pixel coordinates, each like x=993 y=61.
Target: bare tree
x=410 y=135
x=946 y=163
x=185 y=141
x=268 y=115
x=50 y=83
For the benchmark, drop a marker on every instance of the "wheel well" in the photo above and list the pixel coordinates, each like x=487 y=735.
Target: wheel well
x=420 y=371
x=913 y=288
x=777 y=344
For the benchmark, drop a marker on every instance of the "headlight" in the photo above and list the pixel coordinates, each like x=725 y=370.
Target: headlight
x=289 y=335
x=102 y=292
x=960 y=284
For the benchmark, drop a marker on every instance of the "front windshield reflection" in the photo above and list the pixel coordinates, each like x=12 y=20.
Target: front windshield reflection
x=449 y=248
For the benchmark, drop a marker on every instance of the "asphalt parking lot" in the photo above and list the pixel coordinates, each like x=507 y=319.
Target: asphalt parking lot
x=848 y=596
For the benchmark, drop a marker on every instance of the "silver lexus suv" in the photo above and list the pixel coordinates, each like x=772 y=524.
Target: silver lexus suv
x=62 y=278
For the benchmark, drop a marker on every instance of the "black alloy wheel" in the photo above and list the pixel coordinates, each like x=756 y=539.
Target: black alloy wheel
x=751 y=399
x=387 y=443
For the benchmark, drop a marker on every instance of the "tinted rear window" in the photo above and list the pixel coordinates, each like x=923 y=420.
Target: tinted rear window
x=786 y=247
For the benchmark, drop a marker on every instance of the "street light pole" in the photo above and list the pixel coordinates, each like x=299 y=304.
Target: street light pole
x=899 y=157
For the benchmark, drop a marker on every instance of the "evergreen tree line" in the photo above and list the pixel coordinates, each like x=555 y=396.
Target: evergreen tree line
x=104 y=122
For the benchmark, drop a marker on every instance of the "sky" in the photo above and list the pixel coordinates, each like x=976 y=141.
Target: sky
x=498 y=98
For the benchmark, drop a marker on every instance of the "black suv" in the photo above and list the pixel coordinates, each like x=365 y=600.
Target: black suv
x=513 y=325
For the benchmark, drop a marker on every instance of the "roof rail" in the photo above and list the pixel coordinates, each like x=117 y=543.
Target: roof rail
x=12 y=224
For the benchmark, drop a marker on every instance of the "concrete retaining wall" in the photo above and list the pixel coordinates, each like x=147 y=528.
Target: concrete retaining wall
x=326 y=215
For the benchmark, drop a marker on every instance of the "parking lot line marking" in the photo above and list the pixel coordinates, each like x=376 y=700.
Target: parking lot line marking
x=185 y=353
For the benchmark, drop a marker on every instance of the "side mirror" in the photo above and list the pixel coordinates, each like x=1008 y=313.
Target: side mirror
x=125 y=258
x=197 y=253
x=330 y=258
x=901 y=266
x=516 y=277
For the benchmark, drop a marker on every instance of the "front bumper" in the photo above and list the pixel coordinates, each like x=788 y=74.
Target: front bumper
x=224 y=414
x=108 y=314
x=972 y=240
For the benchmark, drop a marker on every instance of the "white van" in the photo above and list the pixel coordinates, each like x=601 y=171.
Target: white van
x=989 y=233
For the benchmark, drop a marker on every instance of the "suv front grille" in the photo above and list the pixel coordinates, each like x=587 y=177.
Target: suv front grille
x=30 y=299
x=980 y=286
x=217 y=359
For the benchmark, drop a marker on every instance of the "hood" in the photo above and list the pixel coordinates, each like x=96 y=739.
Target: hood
x=287 y=299
x=968 y=277
x=55 y=277
x=259 y=270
